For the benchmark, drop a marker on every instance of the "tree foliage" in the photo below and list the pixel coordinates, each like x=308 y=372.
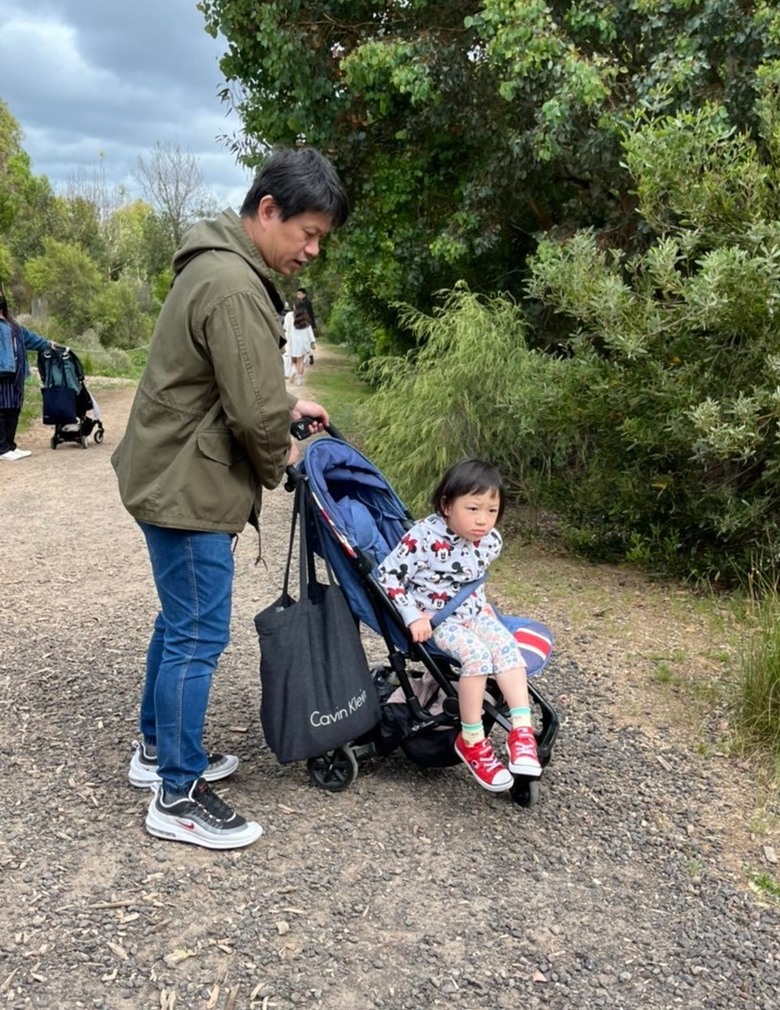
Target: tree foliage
x=94 y=263
x=70 y=278
x=679 y=346
x=654 y=434
x=465 y=129
x=14 y=167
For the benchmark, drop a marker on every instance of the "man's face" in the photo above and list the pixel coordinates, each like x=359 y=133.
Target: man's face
x=287 y=246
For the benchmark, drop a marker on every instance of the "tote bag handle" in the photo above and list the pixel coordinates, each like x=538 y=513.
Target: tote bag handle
x=307 y=574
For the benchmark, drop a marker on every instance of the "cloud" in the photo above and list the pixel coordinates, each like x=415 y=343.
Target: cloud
x=93 y=82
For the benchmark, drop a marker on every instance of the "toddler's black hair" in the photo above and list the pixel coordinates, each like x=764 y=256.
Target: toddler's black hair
x=470 y=476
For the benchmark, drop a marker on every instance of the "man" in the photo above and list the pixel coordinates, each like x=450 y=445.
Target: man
x=208 y=429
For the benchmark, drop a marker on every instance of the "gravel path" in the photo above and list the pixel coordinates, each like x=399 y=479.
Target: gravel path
x=623 y=888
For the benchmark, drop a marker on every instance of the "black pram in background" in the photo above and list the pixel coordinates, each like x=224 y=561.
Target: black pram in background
x=67 y=403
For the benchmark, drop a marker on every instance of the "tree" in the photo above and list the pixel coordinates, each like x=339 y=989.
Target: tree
x=69 y=280
x=118 y=317
x=6 y=265
x=26 y=201
x=75 y=220
x=173 y=183
x=13 y=163
x=126 y=235
x=465 y=129
x=89 y=184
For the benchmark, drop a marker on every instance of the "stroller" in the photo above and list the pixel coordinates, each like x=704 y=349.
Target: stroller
x=66 y=401
x=358 y=520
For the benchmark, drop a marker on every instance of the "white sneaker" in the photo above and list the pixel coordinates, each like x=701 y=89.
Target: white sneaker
x=21 y=453
x=200 y=818
x=143 y=767
x=14 y=454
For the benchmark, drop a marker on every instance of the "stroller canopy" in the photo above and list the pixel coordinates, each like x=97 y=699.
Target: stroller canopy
x=355 y=497
x=360 y=510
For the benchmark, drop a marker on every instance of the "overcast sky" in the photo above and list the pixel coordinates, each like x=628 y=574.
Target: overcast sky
x=86 y=78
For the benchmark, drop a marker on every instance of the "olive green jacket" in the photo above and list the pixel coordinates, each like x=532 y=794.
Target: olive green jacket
x=210 y=423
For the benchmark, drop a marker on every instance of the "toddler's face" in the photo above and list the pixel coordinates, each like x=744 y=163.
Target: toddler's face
x=472 y=516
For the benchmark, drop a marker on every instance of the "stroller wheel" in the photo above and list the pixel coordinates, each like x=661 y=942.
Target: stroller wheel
x=525 y=791
x=98 y=436
x=54 y=442
x=84 y=442
x=334 y=771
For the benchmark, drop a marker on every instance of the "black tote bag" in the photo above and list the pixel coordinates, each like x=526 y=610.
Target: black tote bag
x=316 y=689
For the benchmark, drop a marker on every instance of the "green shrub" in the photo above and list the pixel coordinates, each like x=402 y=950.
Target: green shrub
x=99 y=360
x=118 y=315
x=351 y=325
x=472 y=387
x=675 y=358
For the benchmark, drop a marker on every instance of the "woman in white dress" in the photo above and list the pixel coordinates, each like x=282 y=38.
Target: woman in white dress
x=300 y=337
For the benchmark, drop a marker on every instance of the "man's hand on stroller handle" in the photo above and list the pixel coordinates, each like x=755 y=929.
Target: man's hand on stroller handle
x=421 y=629
x=308 y=418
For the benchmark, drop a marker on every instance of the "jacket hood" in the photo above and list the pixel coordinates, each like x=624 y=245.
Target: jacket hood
x=225 y=232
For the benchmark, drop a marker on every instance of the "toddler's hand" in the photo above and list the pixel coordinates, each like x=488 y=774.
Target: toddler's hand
x=420 y=630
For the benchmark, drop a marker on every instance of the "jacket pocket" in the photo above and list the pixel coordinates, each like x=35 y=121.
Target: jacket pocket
x=221 y=447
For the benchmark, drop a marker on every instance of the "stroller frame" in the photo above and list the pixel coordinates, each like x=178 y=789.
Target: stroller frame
x=338 y=769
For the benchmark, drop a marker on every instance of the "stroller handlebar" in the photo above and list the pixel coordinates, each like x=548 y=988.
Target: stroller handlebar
x=301 y=429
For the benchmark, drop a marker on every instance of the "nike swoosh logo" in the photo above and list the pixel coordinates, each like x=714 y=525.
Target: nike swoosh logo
x=186 y=824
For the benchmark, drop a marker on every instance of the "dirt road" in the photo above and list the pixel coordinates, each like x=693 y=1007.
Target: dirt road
x=626 y=887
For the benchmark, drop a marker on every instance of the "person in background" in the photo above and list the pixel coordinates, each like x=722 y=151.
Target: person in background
x=15 y=342
x=434 y=560
x=209 y=428
x=289 y=368
x=300 y=339
x=302 y=299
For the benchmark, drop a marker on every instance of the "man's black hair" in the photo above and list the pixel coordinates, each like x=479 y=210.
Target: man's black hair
x=300 y=180
x=470 y=476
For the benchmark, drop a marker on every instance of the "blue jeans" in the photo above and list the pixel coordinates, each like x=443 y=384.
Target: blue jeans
x=193 y=573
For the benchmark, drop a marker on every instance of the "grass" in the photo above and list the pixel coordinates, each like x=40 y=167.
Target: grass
x=766 y=885
x=757 y=691
x=338 y=388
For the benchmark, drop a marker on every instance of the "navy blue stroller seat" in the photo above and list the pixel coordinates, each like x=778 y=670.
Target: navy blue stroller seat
x=359 y=519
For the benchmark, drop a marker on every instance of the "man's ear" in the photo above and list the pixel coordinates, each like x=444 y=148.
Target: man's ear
x=267 y=208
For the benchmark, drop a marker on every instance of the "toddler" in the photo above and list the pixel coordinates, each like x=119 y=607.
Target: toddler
x=433 y=561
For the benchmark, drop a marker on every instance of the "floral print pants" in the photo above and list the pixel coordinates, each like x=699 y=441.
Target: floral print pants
x=481 y=644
